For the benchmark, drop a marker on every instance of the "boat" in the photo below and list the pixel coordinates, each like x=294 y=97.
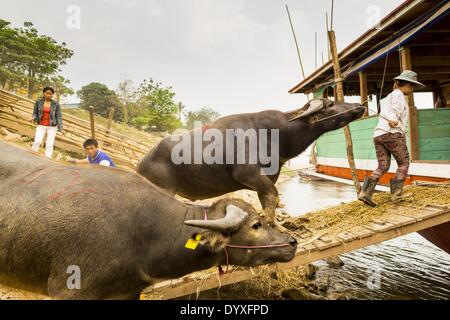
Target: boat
x=415 y=36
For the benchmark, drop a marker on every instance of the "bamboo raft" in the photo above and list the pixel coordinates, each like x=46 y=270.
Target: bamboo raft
x=399 y=220
x=15 y=111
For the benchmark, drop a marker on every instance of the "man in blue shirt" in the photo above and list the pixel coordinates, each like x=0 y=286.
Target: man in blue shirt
x=95 y=155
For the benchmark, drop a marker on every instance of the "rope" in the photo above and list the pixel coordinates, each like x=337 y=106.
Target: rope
x=267 y=246
x=384 y=72
x=335 y=115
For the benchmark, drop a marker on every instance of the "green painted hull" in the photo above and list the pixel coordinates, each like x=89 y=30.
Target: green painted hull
x=434 y=138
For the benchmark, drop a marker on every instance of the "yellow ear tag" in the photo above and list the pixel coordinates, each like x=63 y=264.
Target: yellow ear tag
x=193 y=243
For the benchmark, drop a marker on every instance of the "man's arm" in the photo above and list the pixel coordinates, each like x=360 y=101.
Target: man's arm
x=105 y=163
x=77 y=161
x=59 y=117
x=397 y=106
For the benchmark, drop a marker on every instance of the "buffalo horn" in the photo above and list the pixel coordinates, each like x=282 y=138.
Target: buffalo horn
x=232 y=221
x=314 y=107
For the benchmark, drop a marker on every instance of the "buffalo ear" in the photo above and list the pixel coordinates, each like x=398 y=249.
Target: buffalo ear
x=215 y=240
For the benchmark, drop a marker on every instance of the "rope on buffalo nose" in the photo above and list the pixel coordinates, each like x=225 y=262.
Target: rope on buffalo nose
x=267 y=246
x=232 y=246
x=335 y=115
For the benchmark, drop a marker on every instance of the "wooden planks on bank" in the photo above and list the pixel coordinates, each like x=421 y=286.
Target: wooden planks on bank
x=15 y=112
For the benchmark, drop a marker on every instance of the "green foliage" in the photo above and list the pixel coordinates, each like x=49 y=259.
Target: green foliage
x=204 y=115
x=157 y=108
x=101 y=98
x=127 y=96
x=152 y=107
x=30 y=59
x=61 y=86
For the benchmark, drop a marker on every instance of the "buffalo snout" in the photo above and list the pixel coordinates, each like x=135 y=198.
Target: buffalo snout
x=358 y=110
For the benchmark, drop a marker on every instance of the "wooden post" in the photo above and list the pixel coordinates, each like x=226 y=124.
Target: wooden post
x=340 y=99
x=315 y=51
x=363 y=91
x=110 y=116
x=405 y=54
x=378 y=104
x=91 y=116
x=325 y=94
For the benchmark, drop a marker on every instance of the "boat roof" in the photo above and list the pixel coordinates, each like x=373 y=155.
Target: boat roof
x=422 y=25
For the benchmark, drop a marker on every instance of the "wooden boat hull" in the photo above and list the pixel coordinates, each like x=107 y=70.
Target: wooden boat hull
x=432 y=165
x=439 y=236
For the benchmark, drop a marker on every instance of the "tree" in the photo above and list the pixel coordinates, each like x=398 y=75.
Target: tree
x=10 y=47
x=126 y=93
x=181 y=110
x=28 y=58
x=158 y=108
x=61 y=87
x=101 y=98
x=204 y=115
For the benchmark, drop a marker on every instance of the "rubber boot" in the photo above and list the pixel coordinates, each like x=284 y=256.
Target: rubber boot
x=397 y=189
x=367 y=191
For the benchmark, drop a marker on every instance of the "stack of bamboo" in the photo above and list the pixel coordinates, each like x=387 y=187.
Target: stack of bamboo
x=16 y=111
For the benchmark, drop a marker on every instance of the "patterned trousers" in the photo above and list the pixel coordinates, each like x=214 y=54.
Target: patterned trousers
x=387 y=145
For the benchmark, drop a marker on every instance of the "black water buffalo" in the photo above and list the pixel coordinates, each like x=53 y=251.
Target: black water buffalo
x=89 y=232
x=199 y=180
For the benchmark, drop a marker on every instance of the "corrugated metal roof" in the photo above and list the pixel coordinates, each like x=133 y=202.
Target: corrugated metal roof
x=409 y=11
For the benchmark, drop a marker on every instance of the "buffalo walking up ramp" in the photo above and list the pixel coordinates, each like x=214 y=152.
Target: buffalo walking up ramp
x=331 y=232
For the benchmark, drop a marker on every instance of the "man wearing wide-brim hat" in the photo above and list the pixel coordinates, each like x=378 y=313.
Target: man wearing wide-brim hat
x=390 y=138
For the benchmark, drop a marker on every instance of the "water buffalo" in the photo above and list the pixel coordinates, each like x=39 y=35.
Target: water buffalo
x=295 y=131
x=90 y=232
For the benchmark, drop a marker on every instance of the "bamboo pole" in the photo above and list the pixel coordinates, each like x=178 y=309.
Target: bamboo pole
x=363 y=91
x=328 y=39
x=332 y=14
x=296 y=43
x=110 y=116
x=14 y=114
x=405 y=54
x=340 y=99
x=315 y=51
x=91 y=117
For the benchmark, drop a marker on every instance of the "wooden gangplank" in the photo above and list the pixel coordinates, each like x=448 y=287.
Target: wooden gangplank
x=314 y=248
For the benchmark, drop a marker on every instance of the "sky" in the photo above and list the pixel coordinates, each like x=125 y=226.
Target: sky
x=232 y=55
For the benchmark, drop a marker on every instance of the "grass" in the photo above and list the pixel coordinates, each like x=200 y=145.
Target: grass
x=353 y=214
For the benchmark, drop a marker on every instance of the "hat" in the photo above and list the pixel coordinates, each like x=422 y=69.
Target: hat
x=410 y=76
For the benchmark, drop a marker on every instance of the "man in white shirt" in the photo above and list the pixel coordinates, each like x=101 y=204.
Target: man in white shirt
x=390 y=138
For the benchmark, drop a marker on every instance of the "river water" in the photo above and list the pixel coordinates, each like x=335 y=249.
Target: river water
x=408 y=267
